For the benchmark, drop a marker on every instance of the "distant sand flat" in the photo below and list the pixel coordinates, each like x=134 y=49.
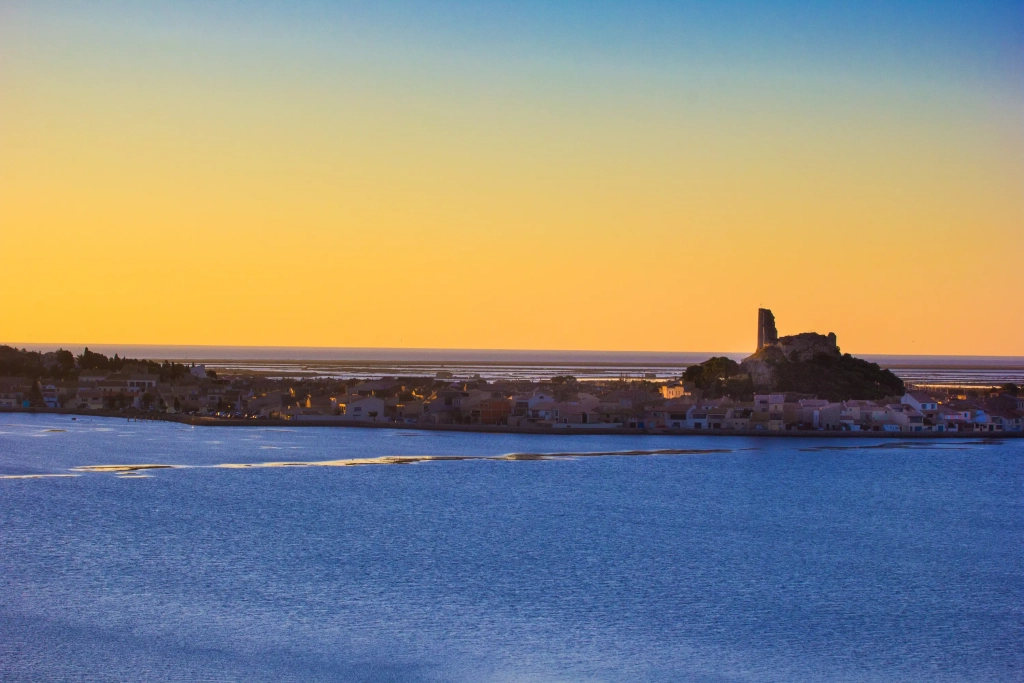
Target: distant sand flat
x=352 y=462
x=123 y=468
x=401 y=460
x=34 y=476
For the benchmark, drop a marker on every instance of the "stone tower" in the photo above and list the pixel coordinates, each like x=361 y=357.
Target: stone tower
x=766 y=332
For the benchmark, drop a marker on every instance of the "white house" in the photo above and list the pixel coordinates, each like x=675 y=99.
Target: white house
x=538 y=399
x=368 y=409
x=920 y=401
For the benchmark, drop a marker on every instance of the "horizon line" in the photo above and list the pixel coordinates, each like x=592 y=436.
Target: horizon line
x=430 y=349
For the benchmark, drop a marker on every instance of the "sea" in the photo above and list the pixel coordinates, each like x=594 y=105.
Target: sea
x=160 y=551
x=497 y=364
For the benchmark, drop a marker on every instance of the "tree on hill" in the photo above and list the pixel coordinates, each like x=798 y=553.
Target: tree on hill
x=720 y=376
x=89 y=360
x=829 y=376
x=20 y=363
x=34 y=365
x=836 y=378
x=66 y=362
x=62 y=364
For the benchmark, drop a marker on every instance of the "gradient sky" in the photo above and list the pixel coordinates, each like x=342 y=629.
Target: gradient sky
x=573 y=175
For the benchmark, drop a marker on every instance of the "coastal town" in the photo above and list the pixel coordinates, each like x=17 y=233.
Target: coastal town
x=718 y=395
x=559 y=403
x=562 y=402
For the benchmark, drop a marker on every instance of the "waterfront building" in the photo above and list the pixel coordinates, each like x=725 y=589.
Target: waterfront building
x=367 y=409
x=920 y=400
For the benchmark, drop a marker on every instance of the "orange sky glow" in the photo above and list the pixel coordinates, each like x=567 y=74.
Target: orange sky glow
x=160 y=188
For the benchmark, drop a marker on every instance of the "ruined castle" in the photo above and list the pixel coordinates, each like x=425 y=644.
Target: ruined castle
x=766 y=332
x=803 y=346
x=772 y=349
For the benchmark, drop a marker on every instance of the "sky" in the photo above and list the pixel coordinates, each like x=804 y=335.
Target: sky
x=540 y=175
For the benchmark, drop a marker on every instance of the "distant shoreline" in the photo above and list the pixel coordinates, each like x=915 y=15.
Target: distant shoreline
x=430 y=356
x=201 y=421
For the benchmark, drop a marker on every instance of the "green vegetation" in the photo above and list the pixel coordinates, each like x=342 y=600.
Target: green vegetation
x=97 y=361
x=832 y=377
x=720 y=376
x=63 y=365
x=837 y=378
x=34 y=365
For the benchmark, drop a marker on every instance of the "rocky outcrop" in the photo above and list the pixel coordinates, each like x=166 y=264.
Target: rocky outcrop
x=794 y=349
x=761 y=372
x=811 y=363
x=807 y=363
x=805 y=346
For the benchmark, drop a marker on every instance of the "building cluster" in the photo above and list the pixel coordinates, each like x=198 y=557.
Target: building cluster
x=560 y=403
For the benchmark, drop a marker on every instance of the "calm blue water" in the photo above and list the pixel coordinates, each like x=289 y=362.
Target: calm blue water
x=777 y=560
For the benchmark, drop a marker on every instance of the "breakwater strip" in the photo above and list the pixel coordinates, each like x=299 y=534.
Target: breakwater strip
x=202 y=421
x=139 y=470
x=122 y=470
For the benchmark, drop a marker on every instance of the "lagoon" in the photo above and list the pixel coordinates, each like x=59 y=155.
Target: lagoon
x=723 y=559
